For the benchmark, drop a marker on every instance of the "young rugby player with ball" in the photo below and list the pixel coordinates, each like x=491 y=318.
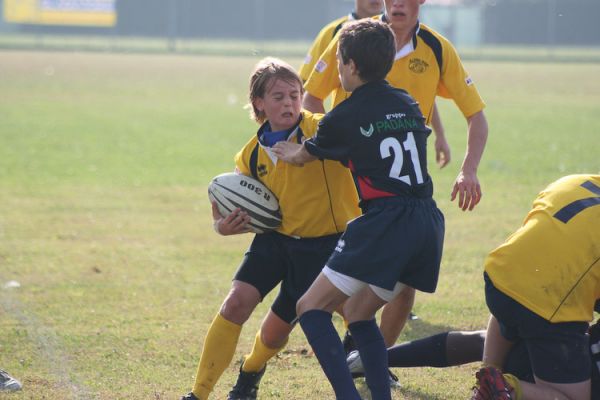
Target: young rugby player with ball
x=316 y=200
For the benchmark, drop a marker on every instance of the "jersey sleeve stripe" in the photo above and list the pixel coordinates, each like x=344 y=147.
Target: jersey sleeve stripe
x=435 y=45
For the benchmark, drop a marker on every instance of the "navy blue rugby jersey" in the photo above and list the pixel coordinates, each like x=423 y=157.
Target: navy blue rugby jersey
x=380 y=134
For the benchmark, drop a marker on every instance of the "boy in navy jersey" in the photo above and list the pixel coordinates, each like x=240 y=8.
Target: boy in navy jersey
x=379 y=133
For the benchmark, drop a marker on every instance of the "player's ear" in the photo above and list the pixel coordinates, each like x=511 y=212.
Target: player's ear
x=353 y=68
x=258 y=104
x=259 y=109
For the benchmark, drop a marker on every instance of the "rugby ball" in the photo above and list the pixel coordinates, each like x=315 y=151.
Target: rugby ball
x=231 y=191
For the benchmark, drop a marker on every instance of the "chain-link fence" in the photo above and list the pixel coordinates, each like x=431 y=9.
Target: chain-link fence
x=286 y=26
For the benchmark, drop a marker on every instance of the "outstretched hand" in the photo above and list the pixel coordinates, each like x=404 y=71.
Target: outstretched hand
x=288 y=152
x=468 y=189
x=235 y=223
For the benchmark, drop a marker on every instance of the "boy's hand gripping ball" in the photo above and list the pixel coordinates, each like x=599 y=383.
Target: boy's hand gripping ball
x=231 y=191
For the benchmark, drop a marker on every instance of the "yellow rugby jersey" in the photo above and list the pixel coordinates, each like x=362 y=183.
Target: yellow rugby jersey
x=316 y=199
x=551 y=265
x=427 y=66
x=324 y=37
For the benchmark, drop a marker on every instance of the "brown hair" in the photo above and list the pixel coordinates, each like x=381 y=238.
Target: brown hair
x=264 y=75
x=371 y=44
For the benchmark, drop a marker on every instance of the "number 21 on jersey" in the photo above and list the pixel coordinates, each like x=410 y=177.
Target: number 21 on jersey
x=392 y=147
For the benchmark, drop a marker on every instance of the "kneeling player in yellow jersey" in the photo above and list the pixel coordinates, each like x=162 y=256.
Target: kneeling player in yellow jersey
x=316 y=201
x=541 y=286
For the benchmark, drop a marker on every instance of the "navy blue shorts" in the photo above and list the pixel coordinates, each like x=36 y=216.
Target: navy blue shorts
x=594 y=337
x=397 y=239
x=558 y=352
x=518 y=364
x=274 y=258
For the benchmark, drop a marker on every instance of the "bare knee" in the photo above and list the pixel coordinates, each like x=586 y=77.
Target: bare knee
x=239 y=303
x=302 y=306
x=362 y=306
x=353 y=314
x=322 y=295
x=349 y=313
x=308 y=303
x=273 y=341
x=274 y=331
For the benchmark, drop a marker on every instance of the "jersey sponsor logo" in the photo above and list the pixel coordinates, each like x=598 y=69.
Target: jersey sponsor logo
x=320 y=66
x=396 y=124
x=261 y=170
x=417 y=65
x=367 y=132
x=395 y=115
x=340 y=245
x=393 y=122
x=468 y=81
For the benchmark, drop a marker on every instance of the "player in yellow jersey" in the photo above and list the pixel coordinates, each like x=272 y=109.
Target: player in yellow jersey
x=426 y=65
x=362 y=9
x=365 y=9
x=541 y=286
x=316 y=201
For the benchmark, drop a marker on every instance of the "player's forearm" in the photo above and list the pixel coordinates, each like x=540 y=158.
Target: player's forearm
x=313 y=104
x=302 y=156
x=477 y=138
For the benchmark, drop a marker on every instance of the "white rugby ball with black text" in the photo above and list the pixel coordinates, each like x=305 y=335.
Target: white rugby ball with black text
x=231 y=191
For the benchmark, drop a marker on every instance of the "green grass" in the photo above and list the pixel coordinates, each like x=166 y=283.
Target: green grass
x=104 y=220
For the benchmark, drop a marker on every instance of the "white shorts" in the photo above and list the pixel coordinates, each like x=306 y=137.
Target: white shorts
x=349 y=285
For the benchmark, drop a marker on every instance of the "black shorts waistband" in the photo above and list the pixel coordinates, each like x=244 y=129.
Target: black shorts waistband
x=396 y=200
x=312 y=238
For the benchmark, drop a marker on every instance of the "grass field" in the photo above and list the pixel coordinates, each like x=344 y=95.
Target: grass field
x=105 y=224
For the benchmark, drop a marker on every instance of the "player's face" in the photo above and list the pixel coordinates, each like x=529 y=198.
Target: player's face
x=368 y=8
x=282 y=104
x=402 y=14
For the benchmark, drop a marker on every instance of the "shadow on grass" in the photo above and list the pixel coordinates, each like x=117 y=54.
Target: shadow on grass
x=420 y=328
x=363 y=390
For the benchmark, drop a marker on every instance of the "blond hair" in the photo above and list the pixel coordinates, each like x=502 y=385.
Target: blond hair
x=263 y=77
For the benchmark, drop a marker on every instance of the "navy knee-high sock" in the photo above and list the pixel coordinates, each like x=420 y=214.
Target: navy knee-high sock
x=328 y=348
x=426 y=352
x=373 y=354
